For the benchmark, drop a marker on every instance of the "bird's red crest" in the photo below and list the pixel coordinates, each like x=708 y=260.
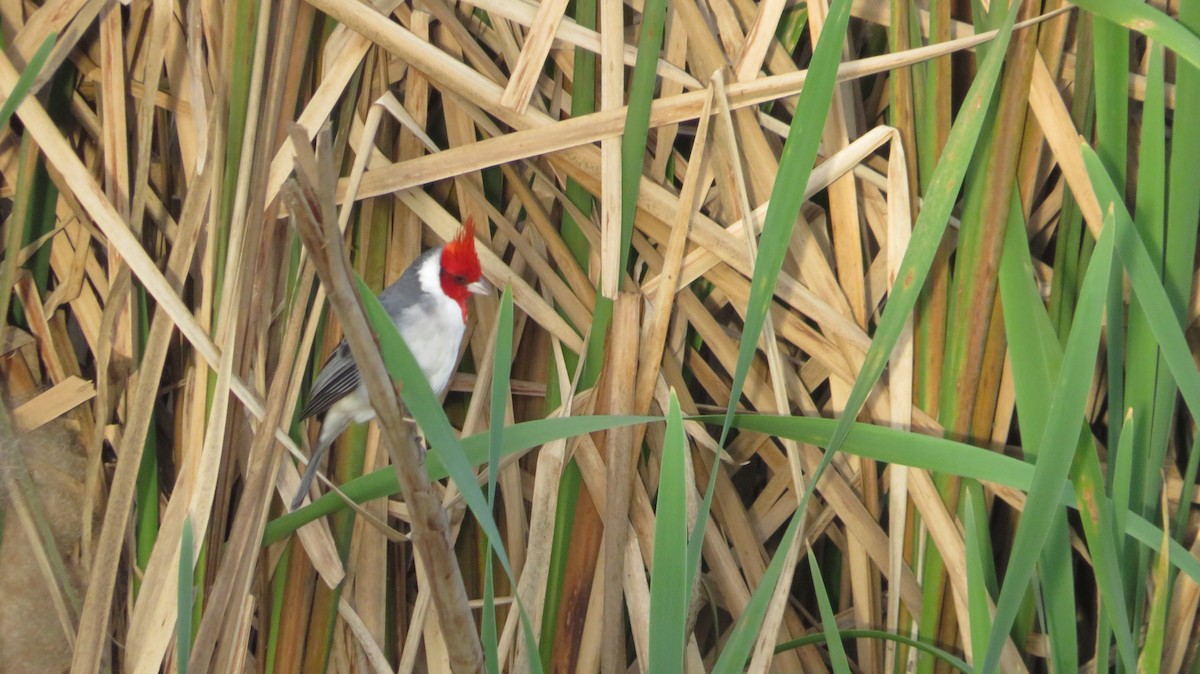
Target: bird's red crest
x=459 y=257
x=460 y=264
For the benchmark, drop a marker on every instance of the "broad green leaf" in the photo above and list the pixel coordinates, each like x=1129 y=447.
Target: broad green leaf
x=1148 y=289
x=1057 y=444
x=670 y=589
x=1148 y=21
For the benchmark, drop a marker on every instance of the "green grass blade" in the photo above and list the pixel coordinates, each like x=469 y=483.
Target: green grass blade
x=1150 y=391
x=1150 y=210
x=1110 y=48
x=820 y=637
x=1150 y=661
x=25 y=81
x=501 y=374
x=183 y=625
x=1183 y=206
x=637 y=120
x=278 y=592
x=791 y=27
x=147 y=481
x=1100 y=527
x=491 y=645
x=795 y=166
x=583 y=102
x=977 y=597
x=1123 y=469
x=382 y=482
x=745 y=631
x=1057 y=589
x=833 y=641
x=1187 y=487
x=670 y=589
x=868 y=441
x=946 y=456
x=1032 y=341
x=1036 y=358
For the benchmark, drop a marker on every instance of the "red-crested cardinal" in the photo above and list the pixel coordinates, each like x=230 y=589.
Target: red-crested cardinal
x=428 y=304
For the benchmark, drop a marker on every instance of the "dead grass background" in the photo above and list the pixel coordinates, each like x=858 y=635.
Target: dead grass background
x=162 y=312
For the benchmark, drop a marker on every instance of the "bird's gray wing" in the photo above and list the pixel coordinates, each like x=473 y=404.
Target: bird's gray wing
x=340 y=374
x=406 y=291
x=339 y=377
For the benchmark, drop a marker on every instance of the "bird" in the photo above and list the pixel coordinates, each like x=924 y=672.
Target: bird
x=428 y=305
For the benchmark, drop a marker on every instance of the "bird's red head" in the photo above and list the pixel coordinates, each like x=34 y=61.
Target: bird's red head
x=460 y=273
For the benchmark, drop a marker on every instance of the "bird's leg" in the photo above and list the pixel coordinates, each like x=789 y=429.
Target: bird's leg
x=419 y=438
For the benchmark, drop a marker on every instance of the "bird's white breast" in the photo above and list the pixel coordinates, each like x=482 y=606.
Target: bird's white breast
x=433 y=328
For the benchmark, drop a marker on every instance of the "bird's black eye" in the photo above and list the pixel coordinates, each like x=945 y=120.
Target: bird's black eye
x=460 y=279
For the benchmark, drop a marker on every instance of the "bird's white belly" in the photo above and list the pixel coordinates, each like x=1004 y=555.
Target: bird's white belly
x=434 y=340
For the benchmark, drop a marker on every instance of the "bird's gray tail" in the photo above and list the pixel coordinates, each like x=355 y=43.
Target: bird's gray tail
x=309 y=473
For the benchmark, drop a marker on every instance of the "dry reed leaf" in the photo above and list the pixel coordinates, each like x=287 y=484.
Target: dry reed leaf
x=39 y=327
x=612 y=96
x=620 y=459
x=526 y=14
x=1055 y=120
x=900 y=373
x=663 y=299
x=738 y=206
x=115 y=134
x=758 y=40
x=152 y=66
x=13 y=338
x=1182 y=618
x=51 y=404
x=528 y=68
x=364 y=638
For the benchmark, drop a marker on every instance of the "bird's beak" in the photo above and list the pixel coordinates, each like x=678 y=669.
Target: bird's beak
x=480 y=287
